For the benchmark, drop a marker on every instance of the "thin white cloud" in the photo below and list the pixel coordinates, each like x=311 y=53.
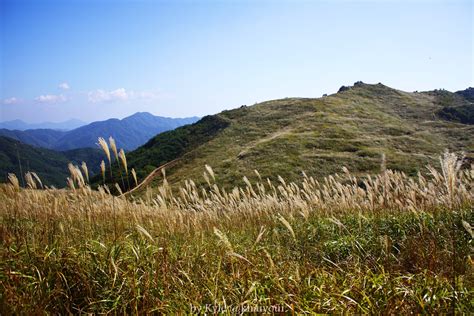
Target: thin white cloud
x=11 y=100
x=142 y=95
x=64 y=86
x=51 y=98
x=120 y=94
x=106 y=96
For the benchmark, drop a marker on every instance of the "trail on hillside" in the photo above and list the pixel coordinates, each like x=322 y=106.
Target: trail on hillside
x=151 y=176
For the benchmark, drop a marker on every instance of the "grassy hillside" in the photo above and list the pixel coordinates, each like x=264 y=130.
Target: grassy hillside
x=51 y=166
x=285 y=137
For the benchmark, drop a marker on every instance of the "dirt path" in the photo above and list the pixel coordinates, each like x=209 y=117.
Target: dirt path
x=265 y=139
x=151 y=176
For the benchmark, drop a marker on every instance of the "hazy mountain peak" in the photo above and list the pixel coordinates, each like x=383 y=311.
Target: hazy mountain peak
x=140 y=114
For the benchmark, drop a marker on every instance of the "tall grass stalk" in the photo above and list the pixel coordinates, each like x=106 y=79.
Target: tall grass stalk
x=113 y=146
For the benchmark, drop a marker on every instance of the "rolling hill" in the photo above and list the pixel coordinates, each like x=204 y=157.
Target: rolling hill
x=51 y=166
x=130 y=132
x=286 y=137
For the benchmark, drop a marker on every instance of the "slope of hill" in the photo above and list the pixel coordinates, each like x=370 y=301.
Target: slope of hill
x=51 y=166
x=351 y=128
x=23 y=126
x=130 y=132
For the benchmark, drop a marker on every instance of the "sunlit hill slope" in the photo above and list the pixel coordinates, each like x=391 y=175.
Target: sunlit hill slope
x=286 y=137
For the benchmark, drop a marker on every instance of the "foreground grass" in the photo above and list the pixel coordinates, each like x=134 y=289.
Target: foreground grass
x=370 y=264
x=397 y=246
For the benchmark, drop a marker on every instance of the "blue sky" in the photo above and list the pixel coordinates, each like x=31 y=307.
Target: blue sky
x=93 y=60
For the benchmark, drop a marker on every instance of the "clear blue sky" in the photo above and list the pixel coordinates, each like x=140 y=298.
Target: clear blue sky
x=98 y=59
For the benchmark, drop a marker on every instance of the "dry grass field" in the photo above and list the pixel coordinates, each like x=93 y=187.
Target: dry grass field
x=385 y=244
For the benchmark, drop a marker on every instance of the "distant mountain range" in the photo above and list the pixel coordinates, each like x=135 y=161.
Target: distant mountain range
x=23 y=126
x=130 y=132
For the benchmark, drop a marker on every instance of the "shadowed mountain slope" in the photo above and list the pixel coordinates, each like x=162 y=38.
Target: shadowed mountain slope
x=45 y=138
x=51 y=166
